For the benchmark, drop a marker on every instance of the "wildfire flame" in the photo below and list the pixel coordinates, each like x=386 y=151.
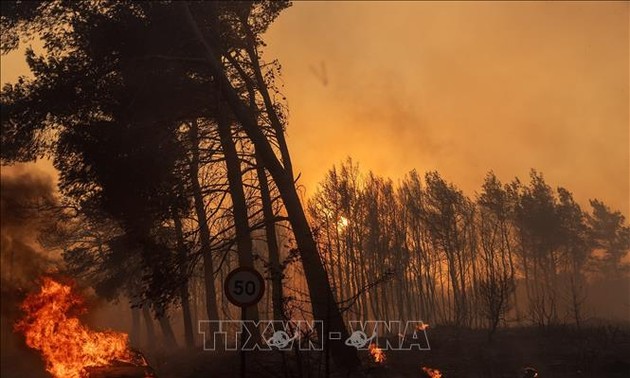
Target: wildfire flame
x=66 y=345
x=377 y=353
x=422 y=326
x=432 y=373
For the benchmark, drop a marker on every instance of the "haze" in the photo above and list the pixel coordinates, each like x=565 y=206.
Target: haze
x=458 y=87
x=462 y=88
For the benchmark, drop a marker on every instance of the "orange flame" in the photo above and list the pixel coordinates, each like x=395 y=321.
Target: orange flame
x=377 y=353
x=67 y=346
x=432 y=373
x=422 y=326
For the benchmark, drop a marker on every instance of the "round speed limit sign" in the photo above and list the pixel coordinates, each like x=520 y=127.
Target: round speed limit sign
x=244 y=286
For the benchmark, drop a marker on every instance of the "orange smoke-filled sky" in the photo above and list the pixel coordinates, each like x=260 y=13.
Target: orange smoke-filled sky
x=461 y=88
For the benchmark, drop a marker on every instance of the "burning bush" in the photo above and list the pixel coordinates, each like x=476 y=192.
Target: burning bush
x=431 y=373
x=377 y=353
x=68 y=347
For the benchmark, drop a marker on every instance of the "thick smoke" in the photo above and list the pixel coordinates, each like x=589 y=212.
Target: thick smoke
x=25 y=197
x=26 y=194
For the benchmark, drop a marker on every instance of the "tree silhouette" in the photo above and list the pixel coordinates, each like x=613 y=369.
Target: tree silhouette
x=136 y=73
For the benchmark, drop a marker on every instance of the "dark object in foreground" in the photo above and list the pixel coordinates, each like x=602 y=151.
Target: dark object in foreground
x=529 y=372
x=136 y=368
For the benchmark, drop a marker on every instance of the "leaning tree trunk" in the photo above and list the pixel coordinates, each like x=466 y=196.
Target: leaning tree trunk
x=184 y=294
x=204 y=233
x=239 y=205
x=272 y=242
x=325 y=308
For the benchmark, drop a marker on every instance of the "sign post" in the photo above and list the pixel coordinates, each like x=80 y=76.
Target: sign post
x=244 y=287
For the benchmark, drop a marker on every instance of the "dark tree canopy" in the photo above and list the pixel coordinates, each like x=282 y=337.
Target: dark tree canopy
x=108 y=99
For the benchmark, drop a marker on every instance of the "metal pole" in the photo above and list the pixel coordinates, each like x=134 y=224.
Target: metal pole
x=243 y=339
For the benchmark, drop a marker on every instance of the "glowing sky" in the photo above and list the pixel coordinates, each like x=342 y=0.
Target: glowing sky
x=458 y=87
x=462 y=88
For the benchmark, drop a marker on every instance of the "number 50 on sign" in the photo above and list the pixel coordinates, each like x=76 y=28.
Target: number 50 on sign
x=244 y=286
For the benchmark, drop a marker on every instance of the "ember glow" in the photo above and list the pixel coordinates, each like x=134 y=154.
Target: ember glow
x=433 y=373
x=343 y=223
x=50 y=325
x=377 y=353
x=422 y=327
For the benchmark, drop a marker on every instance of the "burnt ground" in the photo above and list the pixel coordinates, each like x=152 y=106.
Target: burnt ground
x=557 y=352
